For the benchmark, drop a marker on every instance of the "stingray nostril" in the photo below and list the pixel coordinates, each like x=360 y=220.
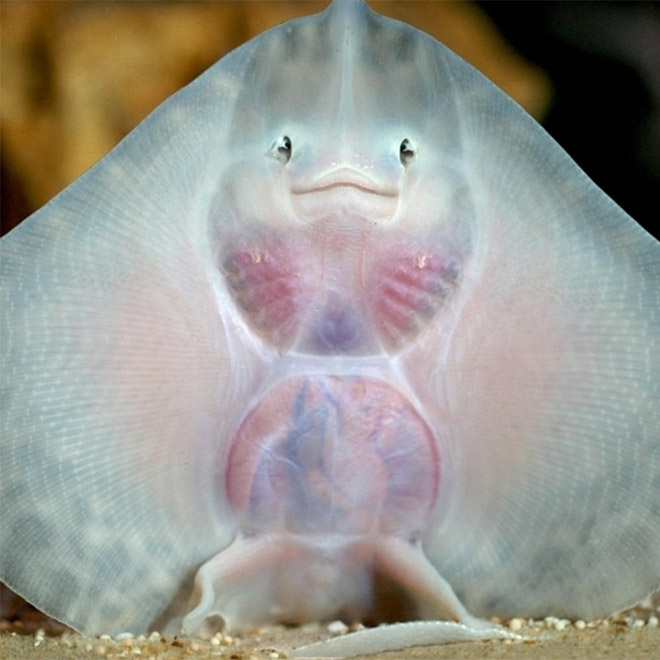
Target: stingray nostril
x=407 y=151
x=282 y=148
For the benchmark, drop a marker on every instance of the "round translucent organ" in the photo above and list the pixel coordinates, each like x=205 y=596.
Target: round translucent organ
x=410 y=288
x=268 y=288
x=333 y=455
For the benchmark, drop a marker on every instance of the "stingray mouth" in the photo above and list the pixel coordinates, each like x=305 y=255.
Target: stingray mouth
x=344 y=177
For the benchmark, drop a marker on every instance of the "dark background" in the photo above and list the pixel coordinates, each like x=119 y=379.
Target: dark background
x=603 y=59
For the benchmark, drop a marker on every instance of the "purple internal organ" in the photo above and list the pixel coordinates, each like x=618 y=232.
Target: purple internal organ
x=330 y=455
x=340 y=304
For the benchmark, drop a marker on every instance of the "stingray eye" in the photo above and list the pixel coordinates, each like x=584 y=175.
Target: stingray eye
x=407 y=151
x=281 y=148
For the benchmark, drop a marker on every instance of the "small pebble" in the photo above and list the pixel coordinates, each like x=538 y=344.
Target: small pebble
x=653 y=622
x=550 y=621
x=355 y=626
x=337 y=628
x=220 y=639
x=580 y=624
x=516 y=624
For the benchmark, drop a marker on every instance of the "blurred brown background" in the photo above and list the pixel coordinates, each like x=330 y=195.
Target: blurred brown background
x=75 y=77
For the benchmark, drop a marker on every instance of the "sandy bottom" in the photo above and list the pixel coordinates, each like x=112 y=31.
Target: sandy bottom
x=633 y=636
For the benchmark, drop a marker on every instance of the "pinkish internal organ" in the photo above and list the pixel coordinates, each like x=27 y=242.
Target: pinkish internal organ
x=345 y=304
x=330 y=455
x=269 y=289
x=333 y=465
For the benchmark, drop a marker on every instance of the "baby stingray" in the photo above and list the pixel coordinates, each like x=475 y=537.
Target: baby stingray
x=337 y=312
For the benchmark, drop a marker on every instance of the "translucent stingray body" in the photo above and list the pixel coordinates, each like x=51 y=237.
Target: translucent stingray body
x=339 y=307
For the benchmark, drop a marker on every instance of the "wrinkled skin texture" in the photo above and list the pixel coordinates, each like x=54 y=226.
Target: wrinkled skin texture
x=337 y=308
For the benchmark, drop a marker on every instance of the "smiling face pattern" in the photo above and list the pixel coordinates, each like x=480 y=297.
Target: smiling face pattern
x=338 y=308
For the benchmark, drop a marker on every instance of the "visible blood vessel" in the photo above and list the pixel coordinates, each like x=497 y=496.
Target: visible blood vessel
x=333 y=455
x=329 y=305
x=407 y=289
x=269 y=289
